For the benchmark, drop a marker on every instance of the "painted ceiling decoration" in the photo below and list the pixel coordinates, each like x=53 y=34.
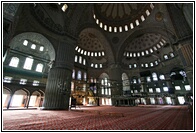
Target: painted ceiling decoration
x=119 y=17
x=144 y=45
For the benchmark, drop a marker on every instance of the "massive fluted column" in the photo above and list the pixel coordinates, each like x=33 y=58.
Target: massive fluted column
x=58 y=85
x=186 y=55
x=115 y=75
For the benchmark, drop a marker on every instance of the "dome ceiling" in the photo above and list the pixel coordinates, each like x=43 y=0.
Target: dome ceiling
x=144 y=45
x=143 y=42
x=90 y=42
x=118 y=17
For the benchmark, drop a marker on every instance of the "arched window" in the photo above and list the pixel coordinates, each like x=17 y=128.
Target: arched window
x=73 y=74
x=85 y=76
x=80 y=59
x=154 y=76
x=79 y=75
x=14 y=62
x=25 y=42
x=165 y=57
x=39 y=67
x=84 y=61
x=33 y=46
x=76 y=58
x=162 y=77
x=28 y=63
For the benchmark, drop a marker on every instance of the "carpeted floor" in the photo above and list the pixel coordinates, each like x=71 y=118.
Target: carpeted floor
x=101 y=118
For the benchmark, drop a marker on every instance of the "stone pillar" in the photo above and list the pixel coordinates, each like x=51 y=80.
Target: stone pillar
x=58 y=87
x=186 y=55
x=10 y=99
x=115 y=75
x=28 y=100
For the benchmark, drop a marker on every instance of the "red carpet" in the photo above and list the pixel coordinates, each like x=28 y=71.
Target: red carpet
x=101 y=118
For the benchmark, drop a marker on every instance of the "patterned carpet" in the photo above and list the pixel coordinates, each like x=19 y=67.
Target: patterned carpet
x=101 y=118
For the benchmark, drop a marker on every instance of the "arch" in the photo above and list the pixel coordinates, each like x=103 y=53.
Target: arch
x=103 y=75
x=36 y=38
x=103 y=40
x=168 y=35
x=19 y=98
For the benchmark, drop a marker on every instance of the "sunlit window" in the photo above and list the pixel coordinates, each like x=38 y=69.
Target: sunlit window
x=115 y=29
x=162 y=77
x=95 y=65
x=79 y=50
x=142 y=18
x=146 y=65
x=99 y=53
x=7 y=79
x=14 y=62
x=130 y=66
x=177 y=88
x=158 y=90
x=76 y=58
x=156 y=62
x=88 y=53
x=135 y=91
x=82 y=51
x=85 y=52
x=110 y=29
x=134 y=81
x=120 y=29
x=126 y=28
x=154 y=76
x=161 y=43
x=147 y=52
x=131 y=25
x=137 y=22
x=151 y=6
x=187 y=87
x=150 y=90
x=92 y=64
x=35 y=83
x=97 y=21
x=155 y=48
x=25 y=42
x=158 y=46
x=85 y=76
x=151 y=50
x=95 y=54
x=138 y=54
x=151 y=64
x=39 y=67
x=100 y=65
x=171 y=54
x=134 y=65
x=33 y=46
x=103 y=53
x=79 y=75
x=105 y=27
x=41 y=48
x=76 y=48
x=84 y=61
x=101 y=25
x=80 y=59
x=64 y=8
x=92 y=54
x=165 y=88
x=165 y=57
x=28 y=63
x=73 y=74
x=23 y=81
x=147 y=12
x=142 y=53
x=148 y=79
